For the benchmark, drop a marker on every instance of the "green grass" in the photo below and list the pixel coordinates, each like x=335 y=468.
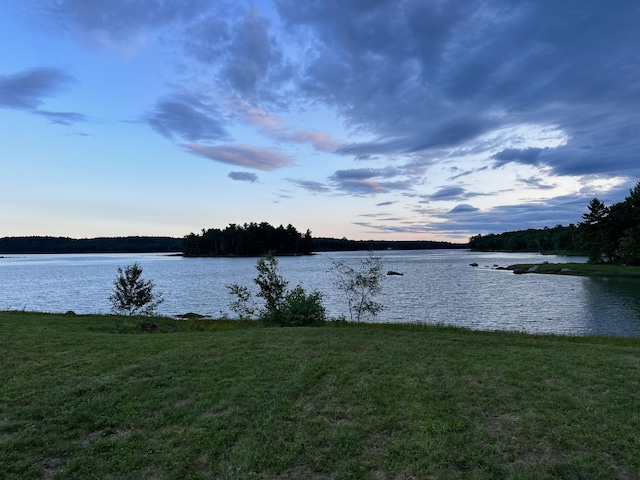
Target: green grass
x=92 y=397
x=582 y=269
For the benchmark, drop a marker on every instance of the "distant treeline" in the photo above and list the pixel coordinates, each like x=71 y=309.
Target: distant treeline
x=235 y=240
x=606 y=234
x=250 y=239
x=90 y=245
x=344 y=245
x=557 y=239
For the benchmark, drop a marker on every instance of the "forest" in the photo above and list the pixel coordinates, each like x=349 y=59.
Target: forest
x=607 y=234
x=250 y=239
x=324 y=244
x=89 y=245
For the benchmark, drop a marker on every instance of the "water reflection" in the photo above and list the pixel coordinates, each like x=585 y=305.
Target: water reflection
x=612 y=304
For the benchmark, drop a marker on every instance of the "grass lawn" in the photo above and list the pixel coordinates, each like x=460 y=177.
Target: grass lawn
x=93 y=397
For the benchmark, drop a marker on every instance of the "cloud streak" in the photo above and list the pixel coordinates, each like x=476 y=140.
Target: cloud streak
x=187 y=118
x=27 y=91
x=246 y=156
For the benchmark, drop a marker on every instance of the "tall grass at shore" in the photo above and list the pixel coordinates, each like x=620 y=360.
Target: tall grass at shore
x=94 y=397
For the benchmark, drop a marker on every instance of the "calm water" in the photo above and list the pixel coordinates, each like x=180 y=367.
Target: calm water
x=437 y=287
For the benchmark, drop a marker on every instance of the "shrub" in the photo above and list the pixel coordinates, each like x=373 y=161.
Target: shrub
x=281 y=307
x=301 y=309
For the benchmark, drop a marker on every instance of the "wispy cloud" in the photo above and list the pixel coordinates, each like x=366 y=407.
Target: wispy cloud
x=247 y=156
x=311 y=186
x=364 y=181
x=188 y=118
x=27 y=90
x=276 y=128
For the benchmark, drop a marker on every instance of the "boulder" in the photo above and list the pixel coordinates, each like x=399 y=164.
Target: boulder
x=473 y=264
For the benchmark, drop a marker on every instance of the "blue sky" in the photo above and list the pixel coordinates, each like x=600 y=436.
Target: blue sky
x=365 y=119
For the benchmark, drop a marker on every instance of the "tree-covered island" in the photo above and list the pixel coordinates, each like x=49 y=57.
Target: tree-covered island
x=250 y=239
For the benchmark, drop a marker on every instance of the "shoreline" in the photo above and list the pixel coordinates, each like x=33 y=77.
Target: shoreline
x=577 y=269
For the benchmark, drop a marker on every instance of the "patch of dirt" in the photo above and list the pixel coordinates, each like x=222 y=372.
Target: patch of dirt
x=51 y=467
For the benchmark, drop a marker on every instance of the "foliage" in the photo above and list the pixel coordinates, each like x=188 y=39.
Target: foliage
x=242 y=306
x=132 y=295
x=250 y=239
x=360 y=285
x=301 y=309
x=556 y=239
x=281 y=307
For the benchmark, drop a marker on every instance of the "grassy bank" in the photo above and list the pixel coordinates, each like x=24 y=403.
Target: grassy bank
x=92 y=397
x=583 y=269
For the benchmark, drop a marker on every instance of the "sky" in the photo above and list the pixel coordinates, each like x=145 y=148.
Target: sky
x=364 y=119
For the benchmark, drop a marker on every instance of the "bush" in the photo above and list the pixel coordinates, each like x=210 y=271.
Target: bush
x=132 y=295
x=301 y=309
x=281 y=307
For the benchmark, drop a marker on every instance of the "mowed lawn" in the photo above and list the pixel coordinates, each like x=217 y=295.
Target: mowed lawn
x=93 y=397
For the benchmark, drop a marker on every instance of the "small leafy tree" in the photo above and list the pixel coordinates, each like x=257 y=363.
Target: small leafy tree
x=360 y=285
x=272 y=285
x=132 y=295
x=281 y=307
x=243 y=306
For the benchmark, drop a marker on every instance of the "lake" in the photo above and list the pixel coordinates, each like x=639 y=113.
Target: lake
x=437 y=287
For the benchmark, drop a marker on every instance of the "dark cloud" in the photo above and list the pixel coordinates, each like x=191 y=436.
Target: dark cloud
x=528 y=156
x=462 y=208
x=370 y=186
x=365 y=173
x=26 y=90
x=448 y=193
x=243 y=176
x=187 y=118
x=208 y=38
x=455 y=192
x=462 y=69
x=252 y=53
x=384 y=204
x=247 y=156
